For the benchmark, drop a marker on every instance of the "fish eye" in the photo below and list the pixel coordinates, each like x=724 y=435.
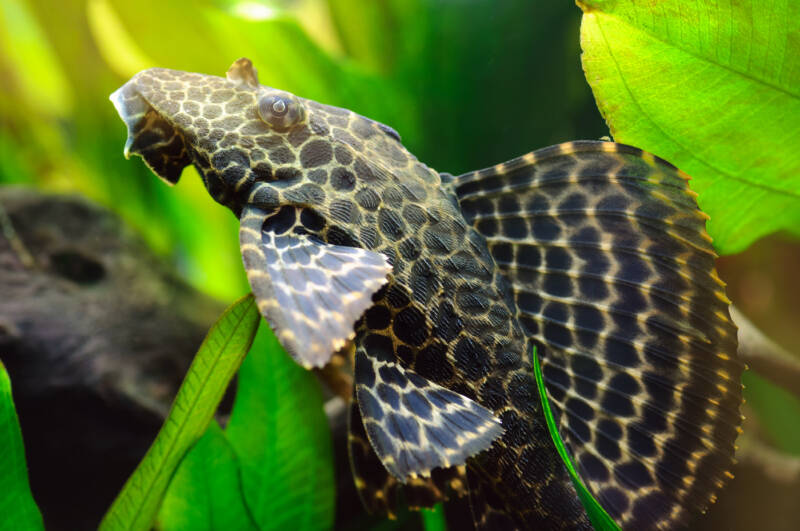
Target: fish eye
x=280 y=111
x=279 y=108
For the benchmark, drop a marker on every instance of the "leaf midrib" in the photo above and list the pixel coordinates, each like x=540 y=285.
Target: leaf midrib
x=589 y=9
x=146 y=499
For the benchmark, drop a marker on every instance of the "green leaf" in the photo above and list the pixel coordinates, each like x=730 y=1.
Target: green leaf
x=206 y=492
x=363 y=26
x=17 y=508
x=597 y=515
x=714 y=88
x=280 y=432
x=213 y=367
x=433 y=519
x=778 y=412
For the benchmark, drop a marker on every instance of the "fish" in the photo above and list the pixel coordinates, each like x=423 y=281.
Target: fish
x=593 y=254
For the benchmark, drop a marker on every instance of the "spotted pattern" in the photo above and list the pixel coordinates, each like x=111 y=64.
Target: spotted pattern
x=413 y=424
x=380 y=491
x=541 y=251
x=311 y=292
x=488 y=511
x=614 y=278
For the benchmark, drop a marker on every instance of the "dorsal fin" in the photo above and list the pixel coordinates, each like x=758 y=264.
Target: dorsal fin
x=614 y=279
x=243 y=73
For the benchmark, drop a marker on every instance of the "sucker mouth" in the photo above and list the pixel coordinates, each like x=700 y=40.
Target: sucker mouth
x=150 y=135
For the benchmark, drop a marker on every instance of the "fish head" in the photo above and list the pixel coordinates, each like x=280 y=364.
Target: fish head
x=256 y=145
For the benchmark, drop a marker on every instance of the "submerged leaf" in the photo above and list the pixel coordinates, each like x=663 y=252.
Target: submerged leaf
x=206 y=491
x=434 y=519
x=213 y=367
x=714 y=89
x=17 y=508
x=597 y=515
x=279 y=430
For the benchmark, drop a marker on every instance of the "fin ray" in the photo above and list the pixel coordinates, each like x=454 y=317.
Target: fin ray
x=300 y=282
x=415 y=425
x=663 y=260
x=651 y=222
x=613 y=275
x=657 y=321
x=379 y=491
x=654 y=379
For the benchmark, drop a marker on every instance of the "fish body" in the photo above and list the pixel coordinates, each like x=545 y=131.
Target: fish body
x=592 y=252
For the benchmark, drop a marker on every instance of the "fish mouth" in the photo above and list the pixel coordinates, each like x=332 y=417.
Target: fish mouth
x=150 y=135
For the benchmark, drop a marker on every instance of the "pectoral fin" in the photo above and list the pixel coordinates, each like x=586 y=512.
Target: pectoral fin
x=310 y=292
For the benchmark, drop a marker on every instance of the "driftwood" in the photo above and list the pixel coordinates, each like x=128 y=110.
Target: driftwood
x=766 y=357
x=96 y=333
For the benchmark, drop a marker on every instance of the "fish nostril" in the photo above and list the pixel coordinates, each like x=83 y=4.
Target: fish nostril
x=77 y=267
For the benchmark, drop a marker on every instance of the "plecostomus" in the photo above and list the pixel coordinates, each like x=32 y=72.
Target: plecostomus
x=594 y=253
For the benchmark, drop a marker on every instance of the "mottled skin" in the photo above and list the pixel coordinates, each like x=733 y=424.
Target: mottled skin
x=614 y=276
x=449 y=311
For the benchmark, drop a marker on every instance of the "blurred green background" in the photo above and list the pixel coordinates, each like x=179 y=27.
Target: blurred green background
x=467 y=84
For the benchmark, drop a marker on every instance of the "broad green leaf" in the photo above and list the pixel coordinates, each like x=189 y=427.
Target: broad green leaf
x=214 y=365
x=597 y=515
x=368 y=43
x=114 y=43
x=205 y=493
x=714 y=88
x=17 y=508
x=279 y=430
